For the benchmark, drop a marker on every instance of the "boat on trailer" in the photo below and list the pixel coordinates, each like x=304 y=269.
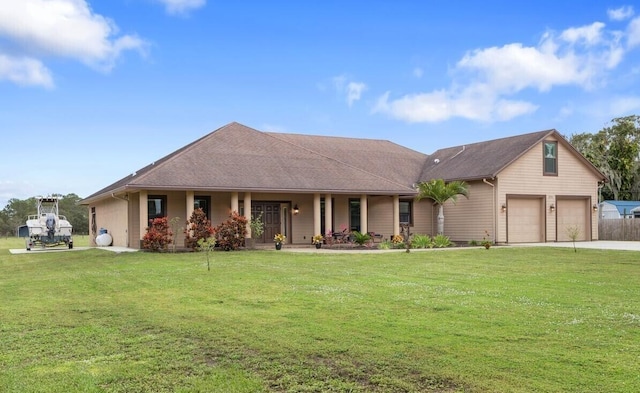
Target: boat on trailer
x=47 y=228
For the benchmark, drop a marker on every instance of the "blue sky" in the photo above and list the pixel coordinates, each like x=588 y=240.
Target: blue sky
x=91 y=91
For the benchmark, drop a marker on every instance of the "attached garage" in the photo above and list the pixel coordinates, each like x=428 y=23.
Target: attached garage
x=573 y=214
x=525 y=219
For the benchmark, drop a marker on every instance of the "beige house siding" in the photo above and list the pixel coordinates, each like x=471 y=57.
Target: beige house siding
x=573 y=179
x=111 y=214
x=134 y=220
x=381 y=215
x=468 y=219
x=424 y=215
x=302 y=223
x=340 y=212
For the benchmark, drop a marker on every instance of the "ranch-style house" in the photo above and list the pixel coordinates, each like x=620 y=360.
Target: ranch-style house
x=526 y=188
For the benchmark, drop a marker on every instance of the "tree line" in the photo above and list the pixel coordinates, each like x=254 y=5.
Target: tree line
x=615 y=151
x=16 y=211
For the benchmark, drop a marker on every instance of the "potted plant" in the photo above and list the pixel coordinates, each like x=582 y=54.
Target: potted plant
x=317 y=240
x=279 y=239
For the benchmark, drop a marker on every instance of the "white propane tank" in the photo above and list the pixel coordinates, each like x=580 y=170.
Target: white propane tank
x=104 y=240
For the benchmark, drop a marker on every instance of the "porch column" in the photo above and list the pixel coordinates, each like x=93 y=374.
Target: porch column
x=396 y=215
x=144 y=215
x=328 y=214
x=191 y=201
x=316 y=215
x=247 y=212
x=364 y=222
x=234 y=202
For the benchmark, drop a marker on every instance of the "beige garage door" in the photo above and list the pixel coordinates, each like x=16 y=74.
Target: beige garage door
x=573 y=215
x=525 y=221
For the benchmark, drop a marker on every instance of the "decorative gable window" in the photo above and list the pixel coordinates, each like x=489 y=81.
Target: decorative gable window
x=550 y=154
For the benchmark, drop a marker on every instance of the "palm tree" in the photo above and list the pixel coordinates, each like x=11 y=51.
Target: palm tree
x=442 y=192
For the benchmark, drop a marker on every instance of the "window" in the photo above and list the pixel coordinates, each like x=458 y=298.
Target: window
x=202 y=202
x=550 y=154
x=156 y=207
x=354 y=215
x=406 y=212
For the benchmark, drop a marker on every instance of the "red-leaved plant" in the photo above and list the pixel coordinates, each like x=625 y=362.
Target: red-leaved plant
x=231 y=233
x=198 y=227
x=158 y=236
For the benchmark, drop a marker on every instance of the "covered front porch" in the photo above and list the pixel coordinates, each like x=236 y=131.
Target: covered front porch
x=298 y=216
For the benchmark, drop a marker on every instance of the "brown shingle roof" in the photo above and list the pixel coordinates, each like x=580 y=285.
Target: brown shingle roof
x=479 y=160
x=236 y=157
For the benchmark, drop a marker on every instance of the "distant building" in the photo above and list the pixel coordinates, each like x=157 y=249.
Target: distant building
x=619 y=209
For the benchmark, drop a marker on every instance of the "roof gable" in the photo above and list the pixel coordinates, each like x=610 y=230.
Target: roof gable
x=485 y=160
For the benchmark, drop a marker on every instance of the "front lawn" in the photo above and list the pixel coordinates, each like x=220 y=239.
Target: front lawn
x=465 y=320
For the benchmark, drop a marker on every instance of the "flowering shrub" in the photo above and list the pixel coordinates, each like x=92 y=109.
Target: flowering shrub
x=198 y=227
x=329 y=237
x=397 y=239
x=231 y=233
x=158 y=236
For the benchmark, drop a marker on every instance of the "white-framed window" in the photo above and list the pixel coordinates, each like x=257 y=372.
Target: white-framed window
x=550 y=158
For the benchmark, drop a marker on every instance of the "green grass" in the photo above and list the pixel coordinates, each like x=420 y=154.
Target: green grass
x=467 y=320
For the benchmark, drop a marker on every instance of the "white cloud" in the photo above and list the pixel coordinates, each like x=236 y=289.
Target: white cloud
x=590 y=35
x=485 y=79
x=25 y=71
x=622 y=106
x=417 y=72
x=633 y=33
x=352 y=90
x=442 y=105
x=63 y=28
x=621 y=13
x=175 y=7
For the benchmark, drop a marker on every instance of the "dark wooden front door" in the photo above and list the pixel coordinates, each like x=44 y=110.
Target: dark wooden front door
x=270 y=218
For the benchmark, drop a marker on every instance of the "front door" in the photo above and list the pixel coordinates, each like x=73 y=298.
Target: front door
x=270 y=217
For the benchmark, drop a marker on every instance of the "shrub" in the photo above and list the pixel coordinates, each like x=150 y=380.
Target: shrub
x=257 y=226
x=207 y=245
x=198 y=227
x=385 y=245
x=442 y=241
x=421 y=241
x=158 y=236
x=360 y=238
x=486 y=240
x=231 y=233
x=397 y=241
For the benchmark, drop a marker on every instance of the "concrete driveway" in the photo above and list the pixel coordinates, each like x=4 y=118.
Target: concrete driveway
x=597 y=244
